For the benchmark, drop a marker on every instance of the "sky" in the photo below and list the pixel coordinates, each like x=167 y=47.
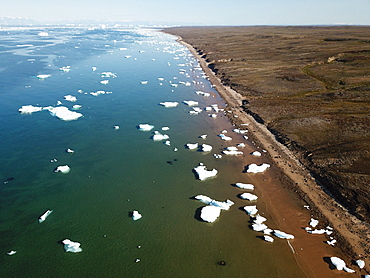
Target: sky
x=195 y=12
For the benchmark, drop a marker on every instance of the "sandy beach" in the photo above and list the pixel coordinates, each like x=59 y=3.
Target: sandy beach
x=295 y=197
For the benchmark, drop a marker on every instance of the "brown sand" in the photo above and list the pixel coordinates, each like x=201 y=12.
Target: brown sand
x=294 y=187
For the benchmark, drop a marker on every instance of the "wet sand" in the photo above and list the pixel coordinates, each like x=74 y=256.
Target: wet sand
x=288 y=188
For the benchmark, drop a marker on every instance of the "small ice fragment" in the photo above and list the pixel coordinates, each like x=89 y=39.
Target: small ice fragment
x=71 y=246
x=169 y=104
x=256 y=153
x=29 y=109
x=104 y=82
x=76 y=107
x=268 y=231
x=245 y=185
x=268 y=238
x=116 y=127
x=137 y=260
x=339 y=264
x=143 y=82
x=241 y=145
x=208 y=201
x=146 y=127
x=319 y=232
x=281 y=234
x=203 y=173
x=192 y=146
x=259 y=227
x=43 y=34
x=224 y=137
x=210 y=213
x=214 y=116
x=360 y=263
x=175 y=149
x=108 y=74
x=206 y=148
x=165 y=128
x=159 y=137
x=46 y=214
x=217 y=155
x=65 y=69
x=70 y=98
x=12 y=252
x=240 y=131
x=331 y=242
x=63 y=169
x=43 y=76
x=313 y=223
x=167 y=143
x=136 y=215
x=63 y=113
x=70 y=151
x=191 y=102
x=59 y=102
x=202 y=93
x=232 y=152
x=254 y=168
x=248 y=196
x=251 y=210
x=259 y=219
x=93 y=68
x=204 y=136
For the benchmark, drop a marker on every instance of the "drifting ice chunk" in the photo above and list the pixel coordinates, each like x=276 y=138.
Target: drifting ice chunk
x=259 y=219
x=65 y=69
x=165 y=128
x=169 y=104
x=116 y=127
x=338 y=263
x=210 y=213
x=256 y=153
x=224 y=137
x=202 y=93
x=43 y=34
x=320 y=232
x=251 y=210
x=203 y=173
x=331 y=242
x=159 y=137
x=281 y=234
x=254 y=168
x=63 y=113
x=43 y=76
x=76 y=107
x=46 y=214
x=146 y=127
x=70 y=151
x=206 y=148
x=204 y=136
x=71 y=246
x=63 y=169
x=360 y=263
x=248 y=196
x=191 y=102
x=268 y=238
x=245 y=185
x=104 y=82
x=259 y=227
x=241 y=145
x=192 y=146
x=232 y=152
x=313 y=223
x=108 y=74
x=70 y=98
x=29 y=109
x=136 y=215
x=208 y=201
x=10 y=253
x=143 y=82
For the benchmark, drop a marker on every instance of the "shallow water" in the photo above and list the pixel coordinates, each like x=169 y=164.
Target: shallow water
x=114 y=172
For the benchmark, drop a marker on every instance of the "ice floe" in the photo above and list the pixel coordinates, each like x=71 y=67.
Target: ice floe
x=70 y=98
x=259 y=227
x=29 y=109
x=63 y=169
x=71 y=246
x=232 y=152
x=108 y=74
x=165 y=128
x=169 y=104
x=145 y=127
x=224 y=137
x=12 y=252
x=204 y=136
x=65 y=69
x=256 y=153
x=331 y=242
x=99 y=93
x=268 y=238
x=210 y=213
x=70 y=151
x=43 y=34
x=136 y=215
x=159 y=137
x=251 y=210
x=43 y=217
x=104 y=82
x=43 y=76
x=203 y=173
x=63 y=113
x=313 y=222
x=319 y=231
x=205 y=148
x=76 y=107
x=360 y=263
x=192 y=146
x=254 y=168
x=245 y=185
x=284 y=235
x=202 y=93
x=248 y=196
x=191 y=102
x=340 y=264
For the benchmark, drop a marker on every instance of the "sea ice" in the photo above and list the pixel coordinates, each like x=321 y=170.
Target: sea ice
x=203 y=173
x=43 y=76
x=313 y=223
x=245 y=185
x=143 y=82
x=108 y=74
x=159 y=137
x=43 y=34
x=63 y=169
x=340 y=264
x=116 y=127
x=136 y=215
x=206 y=148
x=104 y=82
x=256 y=153
x=331 y=242
x=71 y=246
x=224 y=137
x=320 y=232
x=46 y=214
x=93 y=68
x=76 y=107
x=192 y=146
x=232 y=152
x=281 y=234
x=259 y=227
x=241 y=131
x=70 y=151
x=190 y=102
x=65 y=69
x=12 y=252
x=146 y=127
x=248 y=196
x=169 y=104
x=202 y=93
x=268 y=238
x=241 y=145
x=210 y=213
x=63 y=113
x=204 y=136
x=165 y=128
x=259 y=219
x=251 y=210
x=208 y=201
x=254 y=168
x=70 y=98
x=29 y=109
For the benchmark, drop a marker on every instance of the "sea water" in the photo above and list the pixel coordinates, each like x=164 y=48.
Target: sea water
x=115 y=171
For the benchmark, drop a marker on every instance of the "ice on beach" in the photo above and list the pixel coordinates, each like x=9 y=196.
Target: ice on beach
x=268 y=238
x=360 y=263
x=104 y=82
x=254 y=168
x=191 y=102
x=145 y=127
x=251 y=210
x=224 y=137
x=240 y=131
x=217 y=155
x=232 y=152
x=63 y=113
x=71 y=246
x=192 y=146
x=63 y=169
x=206 y=148
x=210 y=213
x=29 y=109
x=169 y=104
x=203 y=173
x=259 y=227
x=313 y=222
x=331 y=242
x=284 y=235
x=43 y=34
x=159 y=137
x=12 y=252
x=202 y=93
x=247 y=186
x=43 y=76
x=340 y=264
x=45 y=215
x=136 y=215
x=70 y=98
x=167 y=143
x=256 y=153
x=248 y=196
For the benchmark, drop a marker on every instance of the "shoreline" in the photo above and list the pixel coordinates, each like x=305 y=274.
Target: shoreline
x=351 y=233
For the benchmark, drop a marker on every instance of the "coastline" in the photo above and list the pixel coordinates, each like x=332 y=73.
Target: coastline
x=352 y=234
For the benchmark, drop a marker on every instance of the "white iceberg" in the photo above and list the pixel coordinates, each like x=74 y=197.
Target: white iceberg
x=210 y=213
x=284 y=235
x=254 y=168
x=146 y=127
x=191 y=102
x=136 y=215
x=116 y=127
x=203 y=173
x=70 y=151
x=232 y=152
x=313 y=222
x=360 y=263
x=240 y=131
x=224 y=137
x=320 y=232
x=259 y=219
x=209 y=201
x=248 y=196
x=46 y=214
x=108 y=74
x=43 y=34
x=43 y=76
x=63 y=113
x=251 y=210
x=206 y=148
x=169 y=104
x=268 y=238
x=159 y=137
x=29 y=109
x=256 y=153
x=259 y=227
x=331 y=242
x=63 y=169
x=245 y=185
x=165 y=128
x=340 y=264
x=204 y=136
x=192 y=146
x=71 y=246
x=104 y=82
x=12 y=252
x=202 y=93
x=65 y=69
x=76 y=107
x=70 y=98
x=143 y=82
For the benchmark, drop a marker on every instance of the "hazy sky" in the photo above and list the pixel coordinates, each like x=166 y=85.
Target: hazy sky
x=196 y=12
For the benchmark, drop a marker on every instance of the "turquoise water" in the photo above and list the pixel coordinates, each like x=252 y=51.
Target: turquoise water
x=114 y=172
